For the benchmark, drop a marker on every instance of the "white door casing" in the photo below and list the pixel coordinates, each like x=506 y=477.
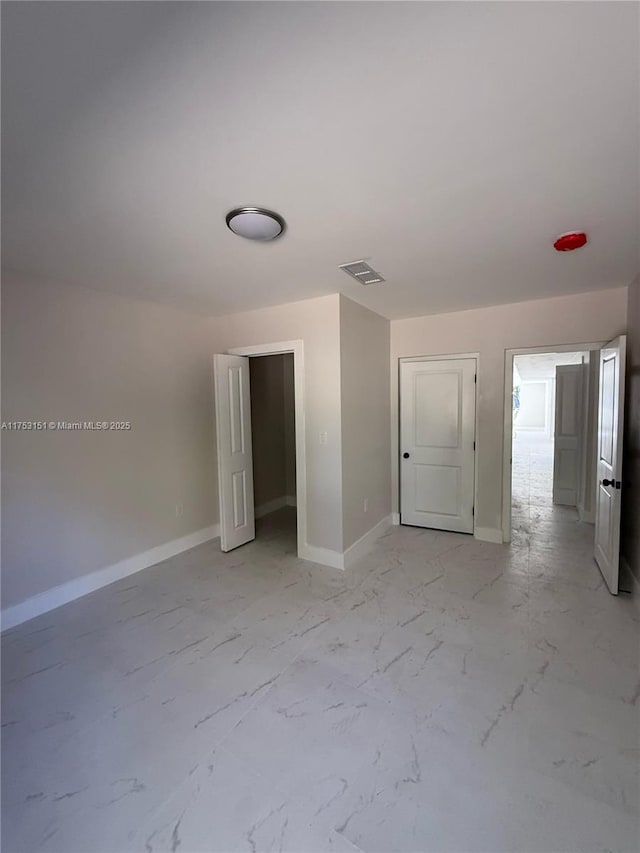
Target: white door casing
x=610 y=437
x=235 y=462
x=568 y=434
x=437 y=438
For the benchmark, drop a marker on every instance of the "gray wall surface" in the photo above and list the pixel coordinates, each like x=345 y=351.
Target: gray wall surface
x=366 y=423
x=74 y=502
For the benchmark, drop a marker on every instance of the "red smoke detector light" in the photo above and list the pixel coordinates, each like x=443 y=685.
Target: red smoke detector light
x=570 y=241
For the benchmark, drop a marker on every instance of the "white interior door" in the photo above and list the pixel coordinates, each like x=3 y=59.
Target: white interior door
x=568 y=433
x=235 y=461
x=437 y=443
x=610 y=435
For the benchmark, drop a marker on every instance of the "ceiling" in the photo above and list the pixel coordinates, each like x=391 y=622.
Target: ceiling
x=539 y=366
x=447 y=143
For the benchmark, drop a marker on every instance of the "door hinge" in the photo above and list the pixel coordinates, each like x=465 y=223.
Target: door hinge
x=475 y=378
x=473 y=510
x=474 y=445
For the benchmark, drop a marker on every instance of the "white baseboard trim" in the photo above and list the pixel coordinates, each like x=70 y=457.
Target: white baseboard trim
x=270 y=506
x=488 y=534
x=66 y=592
x=324 y=556
x=364 y=544
x=395 y=518
x=338 y=560
x=275 y=504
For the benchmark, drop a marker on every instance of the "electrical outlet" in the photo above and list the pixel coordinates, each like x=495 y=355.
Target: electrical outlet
x=323 y=438
x=179 y=510
x=365 y=505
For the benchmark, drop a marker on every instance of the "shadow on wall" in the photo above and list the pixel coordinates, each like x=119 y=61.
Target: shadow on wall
x=630 y=538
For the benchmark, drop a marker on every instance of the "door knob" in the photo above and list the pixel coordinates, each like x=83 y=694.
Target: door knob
x=405 y=455
x=606 y=482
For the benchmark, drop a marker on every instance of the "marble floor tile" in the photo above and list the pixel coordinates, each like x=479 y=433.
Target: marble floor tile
x=424 y=791
x=227 y=806
x=442 y=694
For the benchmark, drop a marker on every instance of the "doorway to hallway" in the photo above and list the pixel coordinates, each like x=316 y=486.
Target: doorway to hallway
x=553 y=464
x=563 y=421
x=532 y=474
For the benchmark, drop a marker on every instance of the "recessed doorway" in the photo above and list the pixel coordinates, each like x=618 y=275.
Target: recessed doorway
x=563 y=444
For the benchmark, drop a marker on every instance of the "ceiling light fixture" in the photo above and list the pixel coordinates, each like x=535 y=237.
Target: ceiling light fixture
x=255 y=223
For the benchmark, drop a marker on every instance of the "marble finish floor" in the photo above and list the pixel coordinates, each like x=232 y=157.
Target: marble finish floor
x=532 y=476
x=442 y=695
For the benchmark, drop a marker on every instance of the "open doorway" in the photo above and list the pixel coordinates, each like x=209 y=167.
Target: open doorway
x=554 y=416
x=553 y=450
x=564 y=411
x=234 y=445
x=577 y=520
x=273 y=437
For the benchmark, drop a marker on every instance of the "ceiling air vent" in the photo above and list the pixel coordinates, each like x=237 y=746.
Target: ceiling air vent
x=362 y=272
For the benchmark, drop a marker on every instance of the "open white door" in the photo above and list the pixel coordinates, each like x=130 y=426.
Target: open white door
x=437 y=443
x=567 y=438
x=610 y=435
x=235 y=461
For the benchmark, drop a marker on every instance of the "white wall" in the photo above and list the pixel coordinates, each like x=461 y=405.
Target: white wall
x=490 y=331
x=317 y=323
x=534 y=406
x=366 y=438
x=75 y=502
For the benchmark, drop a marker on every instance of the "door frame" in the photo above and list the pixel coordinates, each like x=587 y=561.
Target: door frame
x=444 y=357
x=297 y=349
x=507 y=440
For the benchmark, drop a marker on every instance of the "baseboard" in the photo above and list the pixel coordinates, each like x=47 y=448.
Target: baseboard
x=337 y=560
x=364 y=544
x=488 y=534
x=395 y=518
x=66 y=592
x=635 y=582
x=275 y=504
x=324 y=556
x=270 y=506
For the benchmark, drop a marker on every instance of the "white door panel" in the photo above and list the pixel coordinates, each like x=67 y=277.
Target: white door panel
x=235 y=462
x=568 y=432
x=610 y=437
x=437 y=433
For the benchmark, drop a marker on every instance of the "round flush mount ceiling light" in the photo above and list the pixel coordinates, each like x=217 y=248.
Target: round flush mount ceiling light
x=570 y=241
x=255 y=223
